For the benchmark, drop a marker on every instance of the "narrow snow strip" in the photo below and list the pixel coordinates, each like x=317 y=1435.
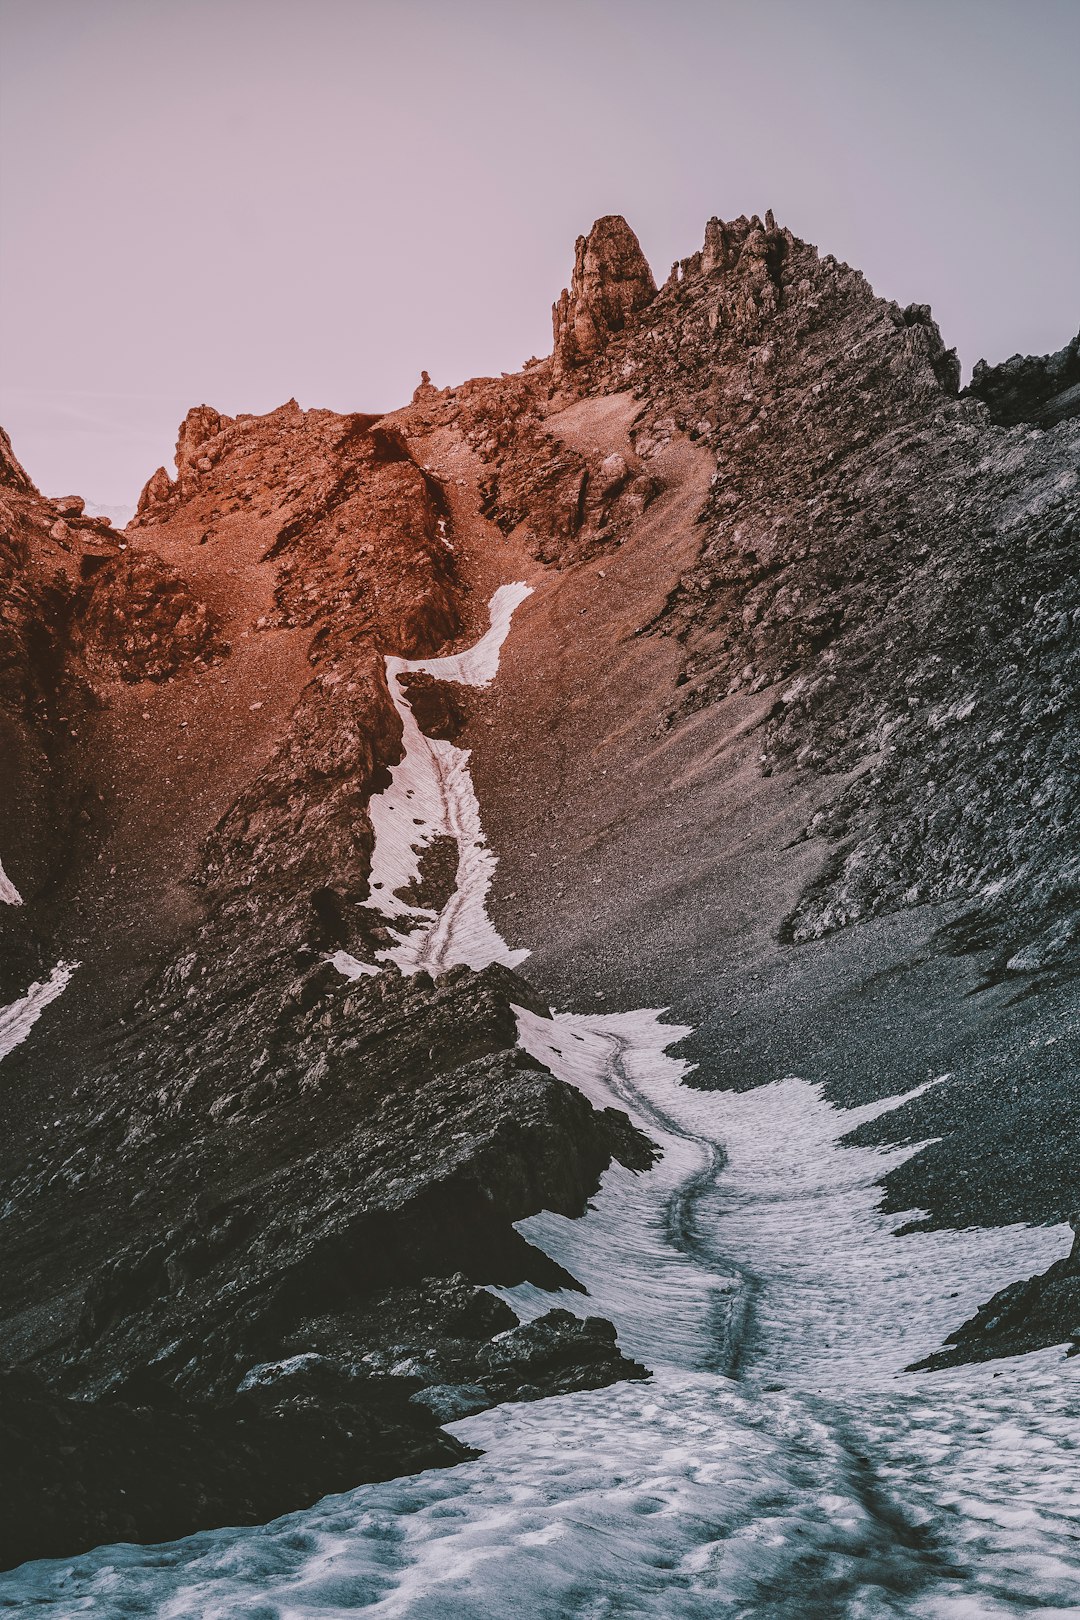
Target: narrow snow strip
x=17 y=1020
x=9 y=894
x=431 y=795
x=670 y=1309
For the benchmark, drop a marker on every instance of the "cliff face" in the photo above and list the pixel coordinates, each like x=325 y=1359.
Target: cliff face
x=782 y=739
x=611 y=284
x=76 y=608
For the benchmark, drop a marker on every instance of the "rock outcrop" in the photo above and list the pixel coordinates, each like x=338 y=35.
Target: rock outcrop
x=155 y=492
x=1043 y=389
x=611 y=284
x=12 y=473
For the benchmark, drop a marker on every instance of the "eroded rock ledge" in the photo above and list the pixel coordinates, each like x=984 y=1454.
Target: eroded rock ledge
x=294 y=1268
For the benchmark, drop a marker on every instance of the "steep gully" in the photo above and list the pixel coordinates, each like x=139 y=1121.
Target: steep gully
x=780 y=1461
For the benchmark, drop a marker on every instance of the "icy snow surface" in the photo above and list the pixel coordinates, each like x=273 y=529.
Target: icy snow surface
x=821 y=1481
x=350 y=967
x=431 y=795
x=9 y=894
x=17 y=1020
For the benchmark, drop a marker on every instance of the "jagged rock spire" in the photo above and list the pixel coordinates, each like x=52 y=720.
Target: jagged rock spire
x=611 y=283
x=12 y=473
x=200 y=424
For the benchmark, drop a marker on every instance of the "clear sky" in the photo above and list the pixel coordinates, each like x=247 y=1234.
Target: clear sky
x=236 y=201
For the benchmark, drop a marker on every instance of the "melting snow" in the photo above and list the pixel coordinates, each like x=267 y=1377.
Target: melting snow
x=17 y=1020
x=350 y=967
x=431 y=795
x=9 y=894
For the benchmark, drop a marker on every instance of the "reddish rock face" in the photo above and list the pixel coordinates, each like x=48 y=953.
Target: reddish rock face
x=12 y=473
x=611 y=283
x=158 y=488
x=201 y=424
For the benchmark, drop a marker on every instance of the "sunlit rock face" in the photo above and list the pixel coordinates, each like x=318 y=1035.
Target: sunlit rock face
x=611 y=283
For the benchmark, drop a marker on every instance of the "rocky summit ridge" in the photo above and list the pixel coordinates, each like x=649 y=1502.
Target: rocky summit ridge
x=783 y=739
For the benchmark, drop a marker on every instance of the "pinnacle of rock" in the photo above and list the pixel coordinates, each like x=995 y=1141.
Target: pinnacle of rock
x=611 y=283
x=200 y=423
x=157 y=488
x=12 y=473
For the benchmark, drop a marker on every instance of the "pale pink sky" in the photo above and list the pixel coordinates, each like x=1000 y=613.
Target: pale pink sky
x=241 y=200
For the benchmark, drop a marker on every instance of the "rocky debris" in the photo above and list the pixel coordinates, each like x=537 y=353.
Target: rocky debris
x=140 y=620
x=1043 y=389
x=1032 y=1315
x=611 y=284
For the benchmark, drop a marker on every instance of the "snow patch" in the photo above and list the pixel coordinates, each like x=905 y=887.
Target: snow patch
x=431 y=795
x=18 y=1019
x=9 y=894
x=350 y=967
x=780 y=1210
